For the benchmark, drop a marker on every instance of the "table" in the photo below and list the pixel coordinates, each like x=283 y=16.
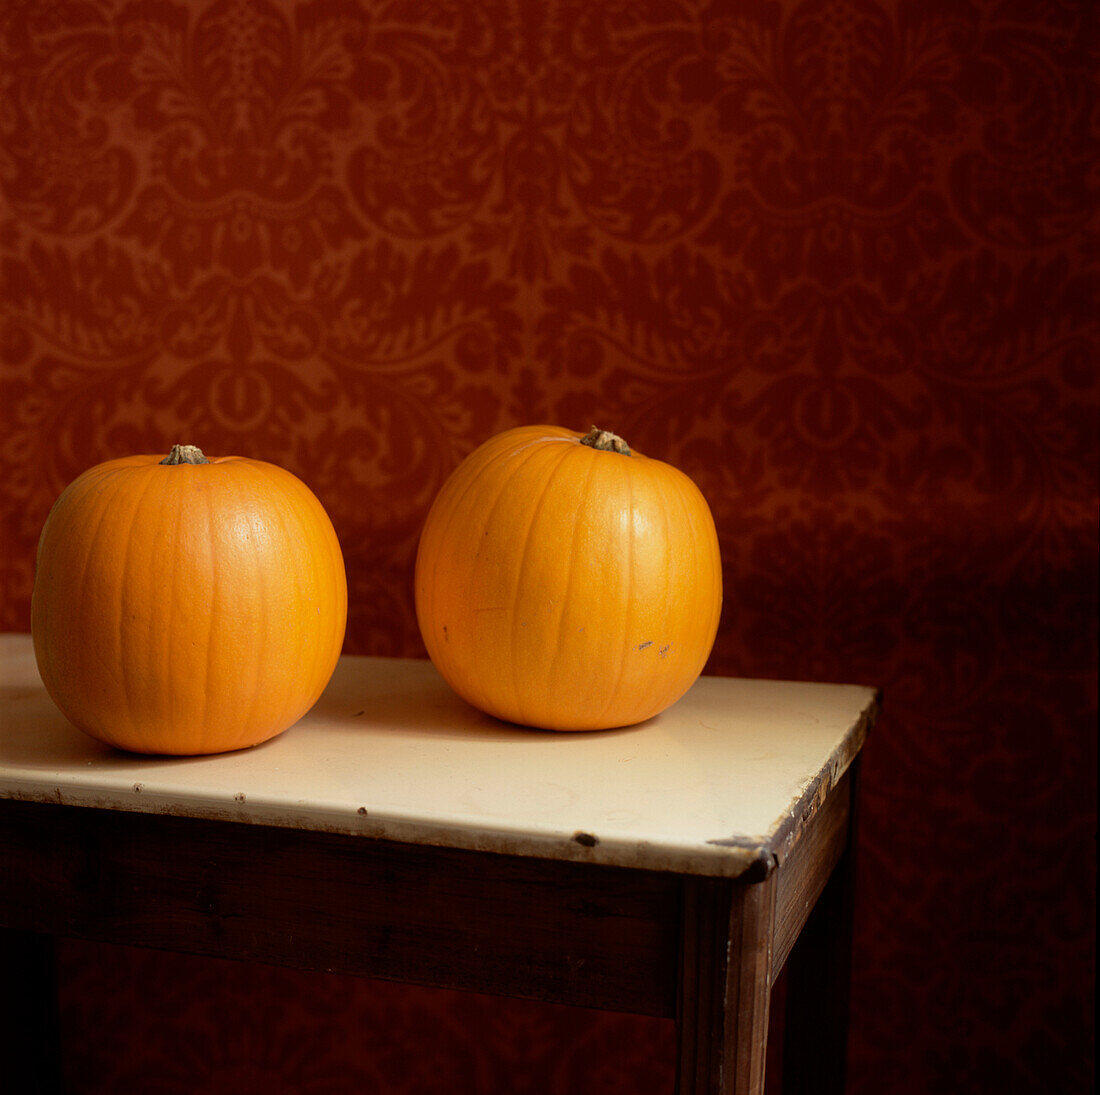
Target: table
x=669 y=869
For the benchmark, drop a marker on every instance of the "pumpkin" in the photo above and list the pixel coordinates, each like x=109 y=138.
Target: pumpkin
x=566 y=582
x=185 y=605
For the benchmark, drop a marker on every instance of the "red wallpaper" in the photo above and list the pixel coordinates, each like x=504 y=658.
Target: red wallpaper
x=838 y=259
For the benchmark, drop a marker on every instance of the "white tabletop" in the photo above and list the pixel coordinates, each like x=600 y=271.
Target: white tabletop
x=707 y=787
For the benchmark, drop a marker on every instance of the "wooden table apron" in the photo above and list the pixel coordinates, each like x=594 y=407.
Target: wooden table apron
x=704 y=949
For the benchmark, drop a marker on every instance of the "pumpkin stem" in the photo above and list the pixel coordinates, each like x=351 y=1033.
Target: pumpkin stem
x=605 y=441
x=185 y=454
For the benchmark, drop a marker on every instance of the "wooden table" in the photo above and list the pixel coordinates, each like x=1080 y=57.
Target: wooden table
x=668 y=869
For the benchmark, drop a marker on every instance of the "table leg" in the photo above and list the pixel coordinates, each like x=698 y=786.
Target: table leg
x=815 y=1038
x=725 y=985
x=30 y=1033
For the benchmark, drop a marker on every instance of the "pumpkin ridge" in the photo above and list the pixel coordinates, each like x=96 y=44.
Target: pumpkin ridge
x=521 y=458
x=165 y=652
x=673 y=496
x=291 y=518
x=287 y=520
x=456 y=506
x=625 y=645
x=131 y=689
x=316 y=652
x=660 y=483
x=690 y=492
x=570 y=573
x=521 y=569
x=213 y=613
x=89 y=546
x=259 y=572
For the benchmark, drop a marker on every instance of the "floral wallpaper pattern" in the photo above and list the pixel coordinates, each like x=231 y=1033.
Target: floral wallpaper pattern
x=837 y=259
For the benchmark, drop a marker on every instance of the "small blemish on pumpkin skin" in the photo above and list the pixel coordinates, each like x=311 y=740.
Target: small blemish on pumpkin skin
x=642 y=646
x=139 y=787
x=586 y=839
x=663 y=652
x=239 y=796
x=362 y=811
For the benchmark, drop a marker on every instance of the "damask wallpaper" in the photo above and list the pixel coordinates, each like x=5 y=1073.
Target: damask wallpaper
x=837 y=259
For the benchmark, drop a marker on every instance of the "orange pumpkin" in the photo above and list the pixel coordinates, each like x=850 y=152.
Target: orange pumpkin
x=187 y=606
x=566 y=582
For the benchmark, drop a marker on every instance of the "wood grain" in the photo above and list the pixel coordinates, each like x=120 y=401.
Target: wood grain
x=568 y=933
x=725 y=986
x=807 y=866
